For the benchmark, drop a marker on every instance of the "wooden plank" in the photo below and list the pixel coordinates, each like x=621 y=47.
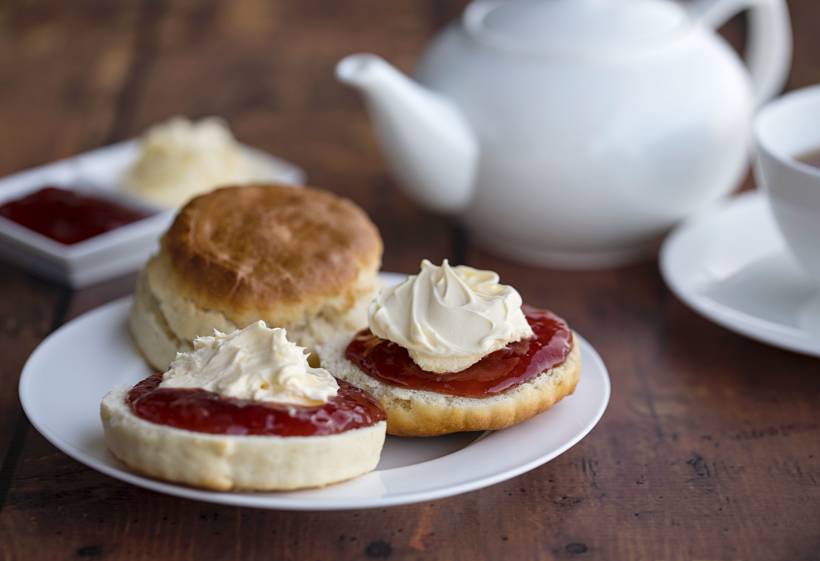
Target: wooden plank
x=50 y=108
x=711 y=454
x=63 y=65
x=54 y=102
x=702 y=425
x=29 y=309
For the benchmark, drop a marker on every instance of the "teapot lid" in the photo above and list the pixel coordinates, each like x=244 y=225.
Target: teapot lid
x=574 y=25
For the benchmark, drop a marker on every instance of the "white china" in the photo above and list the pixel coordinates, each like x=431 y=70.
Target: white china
x=786 y=128
x=575 y=132
x=110 y=254
x=97 y=352
x=731 y=265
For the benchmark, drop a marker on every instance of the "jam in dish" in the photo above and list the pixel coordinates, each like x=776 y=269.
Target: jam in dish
x=204 y=411
x=66 y=216
x=499 y=371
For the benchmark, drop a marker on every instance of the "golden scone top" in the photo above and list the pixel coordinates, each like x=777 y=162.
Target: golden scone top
x=266 y=247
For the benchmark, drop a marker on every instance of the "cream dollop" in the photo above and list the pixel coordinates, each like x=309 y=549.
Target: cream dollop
x=449 y=318
x=256 y=363
x=181 y=159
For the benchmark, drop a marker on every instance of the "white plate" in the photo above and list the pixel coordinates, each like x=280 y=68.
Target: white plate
x=66 y=377
x=113 y=253
x=731 y=265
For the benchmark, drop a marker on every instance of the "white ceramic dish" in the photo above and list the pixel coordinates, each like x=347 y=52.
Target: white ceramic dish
x=113 y=253
x=97 y=352
x=732 y=266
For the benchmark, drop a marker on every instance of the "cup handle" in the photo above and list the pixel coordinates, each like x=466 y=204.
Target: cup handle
x=768 y=46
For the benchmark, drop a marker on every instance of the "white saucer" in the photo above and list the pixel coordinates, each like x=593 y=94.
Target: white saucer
x=731 y=265
x=68 y=374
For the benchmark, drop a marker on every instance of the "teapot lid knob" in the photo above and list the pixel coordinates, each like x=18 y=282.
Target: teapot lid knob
x=573 y=25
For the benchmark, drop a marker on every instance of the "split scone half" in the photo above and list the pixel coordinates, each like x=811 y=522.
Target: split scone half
x=451 y=349
x=299 y=258
x=245 y=411
x=219 y=462
x=413 y=412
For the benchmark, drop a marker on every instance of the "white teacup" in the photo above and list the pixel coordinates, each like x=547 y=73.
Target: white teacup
x=784 y=130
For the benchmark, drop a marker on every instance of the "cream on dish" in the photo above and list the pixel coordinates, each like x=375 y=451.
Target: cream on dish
x=449 y=318
x=255 y=363
x=181 y=159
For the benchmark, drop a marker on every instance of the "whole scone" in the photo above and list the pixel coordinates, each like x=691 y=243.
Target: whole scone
x=299 y=258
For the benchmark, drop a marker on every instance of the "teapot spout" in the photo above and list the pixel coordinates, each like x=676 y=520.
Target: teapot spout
x=426 y=140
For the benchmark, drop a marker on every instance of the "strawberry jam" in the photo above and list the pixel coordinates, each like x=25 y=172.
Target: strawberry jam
x=499 y=371
x=66 y=216
x=204 y=411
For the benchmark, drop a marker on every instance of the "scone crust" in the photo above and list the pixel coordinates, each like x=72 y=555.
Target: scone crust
x=272 y=248
x=225 y=463
x=425 y=413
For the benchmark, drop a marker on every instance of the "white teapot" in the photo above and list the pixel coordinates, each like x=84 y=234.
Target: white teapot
x=575 y=132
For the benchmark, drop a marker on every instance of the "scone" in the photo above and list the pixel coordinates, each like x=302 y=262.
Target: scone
x=245 y=411
x=415 y=412
x=298 y=258
x=452 y=350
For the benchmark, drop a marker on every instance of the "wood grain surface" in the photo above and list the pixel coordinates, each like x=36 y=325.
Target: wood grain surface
x=710 y=448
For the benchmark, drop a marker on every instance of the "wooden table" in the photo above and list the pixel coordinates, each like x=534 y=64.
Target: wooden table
x=710 y=448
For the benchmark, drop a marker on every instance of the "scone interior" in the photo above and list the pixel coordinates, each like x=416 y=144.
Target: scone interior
x=225 y=463
x=298 y=258
x=413 y=412
x=163 y=321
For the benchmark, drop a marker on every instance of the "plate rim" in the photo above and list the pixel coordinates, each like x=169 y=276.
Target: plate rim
x=732 y=319
x=269 y=501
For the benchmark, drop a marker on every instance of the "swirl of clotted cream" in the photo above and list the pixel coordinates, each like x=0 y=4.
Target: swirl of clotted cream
x=256 y=363
x=449 y=318
x=181 y=159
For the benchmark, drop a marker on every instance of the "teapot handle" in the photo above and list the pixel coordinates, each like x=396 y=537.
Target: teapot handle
x=769 y=44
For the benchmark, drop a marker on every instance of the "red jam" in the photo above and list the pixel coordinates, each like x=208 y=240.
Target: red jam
x=204 y=411
x=499 y=371
x=66 y=216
